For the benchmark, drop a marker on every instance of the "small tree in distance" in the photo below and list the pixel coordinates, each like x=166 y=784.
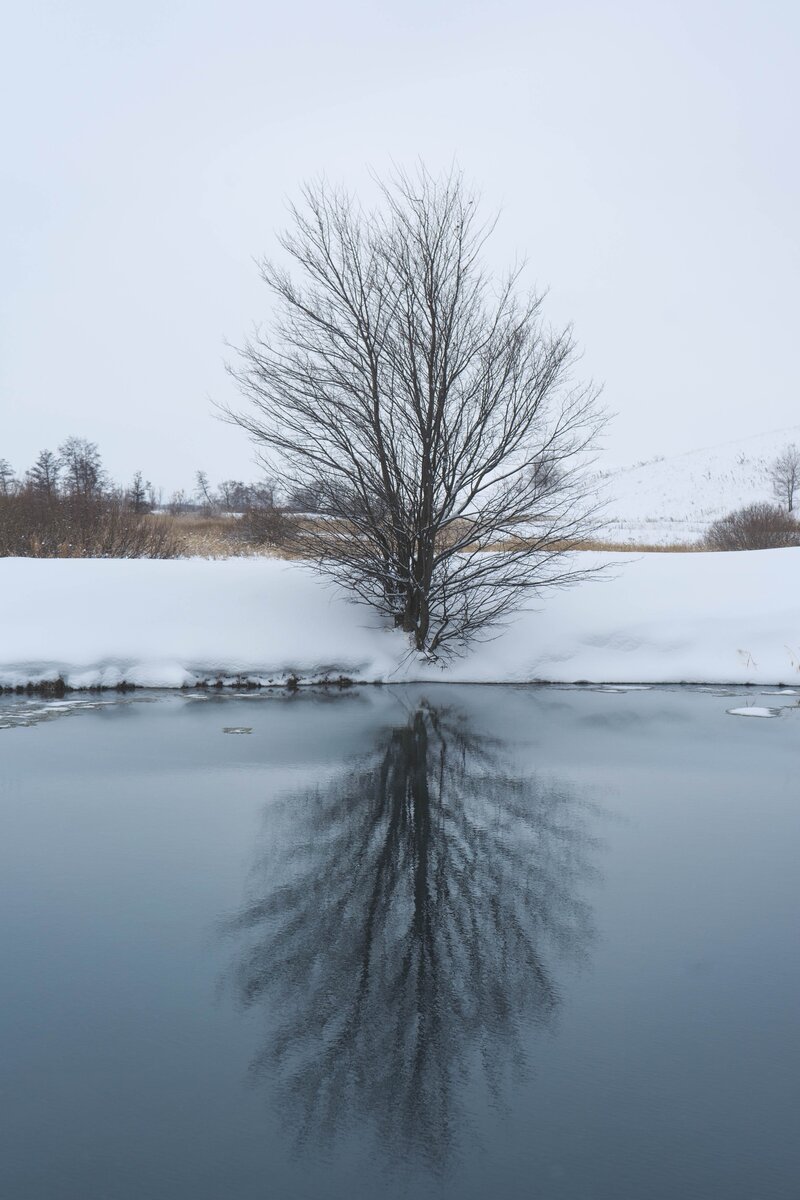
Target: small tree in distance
x=7 y=479
x=42 y=478
x=82 y=474
x=784 y=474
x=202 y=492
x=138 y=494
x=428 y=408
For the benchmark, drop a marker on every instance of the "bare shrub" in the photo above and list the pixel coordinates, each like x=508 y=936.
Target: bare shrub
x=36 y=525
x=755 y=527
x=266 y=525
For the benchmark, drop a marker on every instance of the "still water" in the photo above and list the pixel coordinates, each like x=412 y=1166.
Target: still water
x=440 y=942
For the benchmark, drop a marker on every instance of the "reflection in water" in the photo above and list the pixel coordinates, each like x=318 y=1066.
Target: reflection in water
x=406 y=939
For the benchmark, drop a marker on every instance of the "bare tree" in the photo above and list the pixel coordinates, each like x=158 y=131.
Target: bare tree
x=178 y=503
x=431 y=409
x=203 y=493
x=42 y=478
x=7 y=480
x=235 y=496
x=784 y=475
x=138 y=494
x=231 y=493
x=82 y=470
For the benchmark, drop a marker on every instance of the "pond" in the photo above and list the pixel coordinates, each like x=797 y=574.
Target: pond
x=451 y=942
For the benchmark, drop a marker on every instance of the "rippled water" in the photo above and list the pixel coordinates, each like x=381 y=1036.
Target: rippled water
x=427 y=942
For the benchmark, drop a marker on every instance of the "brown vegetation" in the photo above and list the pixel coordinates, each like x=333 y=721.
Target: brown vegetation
x=219 y=536
x=36 y=525
x=225 y=537
x=614 y=547
x=756 y=527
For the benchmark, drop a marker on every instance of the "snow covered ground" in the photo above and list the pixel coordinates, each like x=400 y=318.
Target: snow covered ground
x=673 y=500
x=653 y=618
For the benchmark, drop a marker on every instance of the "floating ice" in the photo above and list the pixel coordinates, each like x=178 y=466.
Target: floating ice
x=754 y=711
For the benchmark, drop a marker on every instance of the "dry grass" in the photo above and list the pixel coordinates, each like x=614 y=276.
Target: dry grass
x=220 y=537
x=226 y=537
x=610 y=546
x=213 y=537
x=641 y=547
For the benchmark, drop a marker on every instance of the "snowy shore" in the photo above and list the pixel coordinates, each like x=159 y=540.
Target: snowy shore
x=653 y=618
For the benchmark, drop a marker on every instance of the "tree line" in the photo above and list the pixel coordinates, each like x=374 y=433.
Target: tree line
x=66 y=506
x=75 y=471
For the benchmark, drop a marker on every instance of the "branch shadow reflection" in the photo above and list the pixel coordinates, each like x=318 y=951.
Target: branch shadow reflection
x=406 y=944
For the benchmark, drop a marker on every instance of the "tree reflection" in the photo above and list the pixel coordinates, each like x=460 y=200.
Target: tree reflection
x=407 y=938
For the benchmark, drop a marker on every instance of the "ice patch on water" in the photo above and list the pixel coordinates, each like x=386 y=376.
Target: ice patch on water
x=754 y=711
x=622 y=687
x=17 y=713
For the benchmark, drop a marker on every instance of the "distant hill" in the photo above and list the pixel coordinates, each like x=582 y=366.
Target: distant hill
x=668 y=500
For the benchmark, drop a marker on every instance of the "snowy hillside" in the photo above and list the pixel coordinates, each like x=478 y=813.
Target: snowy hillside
x=669 y=500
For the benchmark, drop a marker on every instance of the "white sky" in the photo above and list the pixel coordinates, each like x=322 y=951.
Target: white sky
x=645 y=156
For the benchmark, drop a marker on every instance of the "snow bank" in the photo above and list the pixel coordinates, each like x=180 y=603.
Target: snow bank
x=661 y=618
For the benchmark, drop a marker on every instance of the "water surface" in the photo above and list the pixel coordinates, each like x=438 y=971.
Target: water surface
x=420 y=941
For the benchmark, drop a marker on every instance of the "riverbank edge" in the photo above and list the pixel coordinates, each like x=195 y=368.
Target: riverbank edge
x=56 y=689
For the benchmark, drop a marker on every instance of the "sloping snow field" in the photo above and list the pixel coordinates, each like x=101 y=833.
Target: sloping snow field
x=674 y=500
x=653 y=618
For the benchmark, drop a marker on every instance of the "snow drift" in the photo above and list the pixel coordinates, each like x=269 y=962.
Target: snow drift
x=658 y=618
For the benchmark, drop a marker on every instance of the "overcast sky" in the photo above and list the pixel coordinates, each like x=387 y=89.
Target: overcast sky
x=644 y=155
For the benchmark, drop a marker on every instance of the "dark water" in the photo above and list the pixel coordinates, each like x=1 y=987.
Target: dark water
x=419 y=942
